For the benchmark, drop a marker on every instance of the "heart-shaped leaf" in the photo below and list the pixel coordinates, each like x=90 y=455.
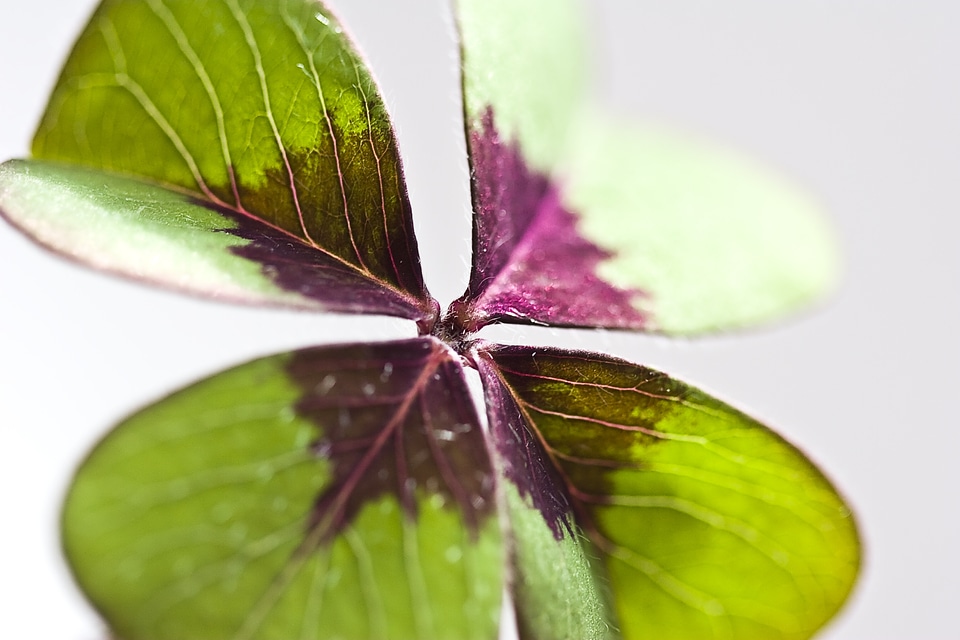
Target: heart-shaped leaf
x=709 y=525
x=261 y=110
x=334 y=492
x=582 y=222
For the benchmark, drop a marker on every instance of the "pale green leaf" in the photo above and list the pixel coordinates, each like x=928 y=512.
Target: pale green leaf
x=707 y=239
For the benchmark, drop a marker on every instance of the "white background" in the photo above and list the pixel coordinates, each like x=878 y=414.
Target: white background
x=859 y=101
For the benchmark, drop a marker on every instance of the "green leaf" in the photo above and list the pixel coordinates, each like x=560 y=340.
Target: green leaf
x=580 y=220
x=334 y=492
x=262 y=108
x=709 y=524
x=171 y=239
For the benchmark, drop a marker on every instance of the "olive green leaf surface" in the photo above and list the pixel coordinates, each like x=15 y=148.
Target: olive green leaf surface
x=708 y=524
x=334 y=492
x=580 y=220
x=262 y=112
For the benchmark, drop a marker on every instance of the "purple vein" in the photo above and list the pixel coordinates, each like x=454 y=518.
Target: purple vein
x=295 y=238
x=298 y=34
x=327 y=449
x=340 y=501
x=530 y=425
x=336 y=364
x=667 y=582
x=679 y=399
x=376 y=157
x=597 y=385
x=616 y=425
x=759 y=464
x=261 y=74
x=123 y=80
x=594 y=462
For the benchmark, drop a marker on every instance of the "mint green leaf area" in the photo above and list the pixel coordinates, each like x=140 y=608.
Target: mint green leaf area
x=168 y=238
x=262 y=108
x=709 y=525
x=711 y=240
x=335 y=492
x=558 y=588
x=526 y=61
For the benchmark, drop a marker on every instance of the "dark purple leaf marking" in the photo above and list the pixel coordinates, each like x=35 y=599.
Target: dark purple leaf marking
x=506 y=195
x=357 y=211
x=582 y=416
x=530 y=262
x=395 y=419
x=523 y=459
x=352 y=246
x=295 y=266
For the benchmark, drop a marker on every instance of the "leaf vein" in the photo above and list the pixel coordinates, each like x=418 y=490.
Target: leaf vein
x=183 y=42
x=251 y=41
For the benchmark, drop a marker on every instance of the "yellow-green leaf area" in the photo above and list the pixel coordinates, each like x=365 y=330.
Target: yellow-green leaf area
x=709 y=524
x=711 y=241
x=181 y=518
x=385 y=576
x=527 y=62
x=716 y=495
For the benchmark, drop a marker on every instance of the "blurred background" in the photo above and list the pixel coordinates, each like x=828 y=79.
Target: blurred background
x=856 y=100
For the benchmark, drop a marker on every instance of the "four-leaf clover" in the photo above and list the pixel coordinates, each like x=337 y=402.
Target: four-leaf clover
x=240 y=149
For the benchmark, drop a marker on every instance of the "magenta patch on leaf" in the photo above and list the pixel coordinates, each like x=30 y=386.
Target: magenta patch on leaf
x=530 y=262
